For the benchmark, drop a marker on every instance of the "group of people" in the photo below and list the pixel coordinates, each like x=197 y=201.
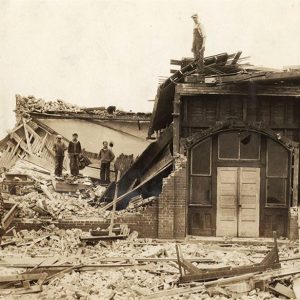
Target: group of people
x=106 y=156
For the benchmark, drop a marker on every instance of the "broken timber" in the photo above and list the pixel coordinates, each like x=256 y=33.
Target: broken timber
x=8 y=218
x=188 y=272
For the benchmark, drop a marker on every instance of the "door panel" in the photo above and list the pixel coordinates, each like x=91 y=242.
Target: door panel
x=226 y=201
x=248 y=208
x=238 y=201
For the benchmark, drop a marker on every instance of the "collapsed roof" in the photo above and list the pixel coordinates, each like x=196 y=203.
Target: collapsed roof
x=40 y=108
x=220 y=69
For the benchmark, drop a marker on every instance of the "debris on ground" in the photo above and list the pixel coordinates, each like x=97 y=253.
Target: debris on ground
x=133 y=268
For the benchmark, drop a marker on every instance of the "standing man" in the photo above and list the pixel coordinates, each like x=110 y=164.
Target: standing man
x=74 y=150
x=59 y=149
x=106 y=156
x=198 y=43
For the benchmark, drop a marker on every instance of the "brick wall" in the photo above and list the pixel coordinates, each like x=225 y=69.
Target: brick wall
x=172 y=203
x=293 y=233
x=144 y=222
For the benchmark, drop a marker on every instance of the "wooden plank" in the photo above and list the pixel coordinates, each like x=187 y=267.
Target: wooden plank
x=227 y=273
x=236 y=57
x=21 y=291
x=295 y=176
x=188 y=89
x=175 y=292
x=267 y=275
x=20 y=141
x=99 y=238
x=63 y=262
x=43 y=142
x=176 y=124
x=50 y=261
x=27 y=137
x=19 y=277
x=175 y=62
x=8 y=218
x=282 y=290
x=109 y=205
x=47 y=192
x=296 y=287
x=114 y=205
x=61 y=273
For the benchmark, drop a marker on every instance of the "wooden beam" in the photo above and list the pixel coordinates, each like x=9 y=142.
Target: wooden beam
x=27 y=137
x=20 y=277
x=190 y=89
x=295 y=176
x=8 y=218
x=109 y=205
x=236 y=58
x=114 y=205
x=176 y=123
x=175 y=62
x=296 y=287
x=227 y=273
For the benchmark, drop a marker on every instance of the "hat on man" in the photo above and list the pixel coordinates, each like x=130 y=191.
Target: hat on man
x=58 y=136
x=75 y=134
x=194 y=16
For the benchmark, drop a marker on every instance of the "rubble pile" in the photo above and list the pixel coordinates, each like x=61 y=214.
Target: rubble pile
x=137 y=268
x=35 y=204
x=31 y=104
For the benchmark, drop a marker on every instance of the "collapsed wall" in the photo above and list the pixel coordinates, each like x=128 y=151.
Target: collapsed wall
x=145 y=222
x=172 y=203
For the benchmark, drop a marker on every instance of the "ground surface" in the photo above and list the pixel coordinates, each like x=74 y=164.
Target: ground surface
x=130 y=278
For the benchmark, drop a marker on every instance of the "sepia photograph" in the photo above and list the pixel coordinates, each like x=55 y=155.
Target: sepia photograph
x=149 y=149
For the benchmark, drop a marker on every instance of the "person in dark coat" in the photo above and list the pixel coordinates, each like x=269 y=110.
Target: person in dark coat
x=198 y=44
x=59 y=149
x=74 y=150
x=106 y=156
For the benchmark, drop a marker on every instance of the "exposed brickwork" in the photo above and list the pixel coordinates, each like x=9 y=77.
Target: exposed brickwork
x=293 y=224
x=172 y=204
x=144 y=222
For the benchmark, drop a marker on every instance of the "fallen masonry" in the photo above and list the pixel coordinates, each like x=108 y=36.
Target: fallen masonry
x=56 y=263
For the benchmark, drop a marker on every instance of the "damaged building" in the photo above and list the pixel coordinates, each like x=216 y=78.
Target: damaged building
x=225 y=161
x=220 y=164
x=38 y=123
x=235 y=145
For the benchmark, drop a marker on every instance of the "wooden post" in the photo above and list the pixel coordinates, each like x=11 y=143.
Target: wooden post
x=114 y=205
x=179 y=259
x=176 y=122
x=299 y=225
x=295 y=176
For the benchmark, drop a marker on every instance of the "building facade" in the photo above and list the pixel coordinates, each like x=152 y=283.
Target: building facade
x=241 y=145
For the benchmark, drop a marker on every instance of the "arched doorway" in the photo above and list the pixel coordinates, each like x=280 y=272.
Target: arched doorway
x=239 y=185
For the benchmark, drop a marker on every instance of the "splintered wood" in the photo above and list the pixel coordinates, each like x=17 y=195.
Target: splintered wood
x=136 y=268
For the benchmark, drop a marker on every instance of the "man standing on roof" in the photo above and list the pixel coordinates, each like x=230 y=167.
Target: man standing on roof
x=59 y=149
x=198 y=43
x=74 y=150
x=106 y=156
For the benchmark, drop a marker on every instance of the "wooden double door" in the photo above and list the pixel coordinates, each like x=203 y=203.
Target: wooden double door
x=238 y=190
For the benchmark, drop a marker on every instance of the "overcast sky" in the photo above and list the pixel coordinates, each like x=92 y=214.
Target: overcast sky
x=100 y=53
